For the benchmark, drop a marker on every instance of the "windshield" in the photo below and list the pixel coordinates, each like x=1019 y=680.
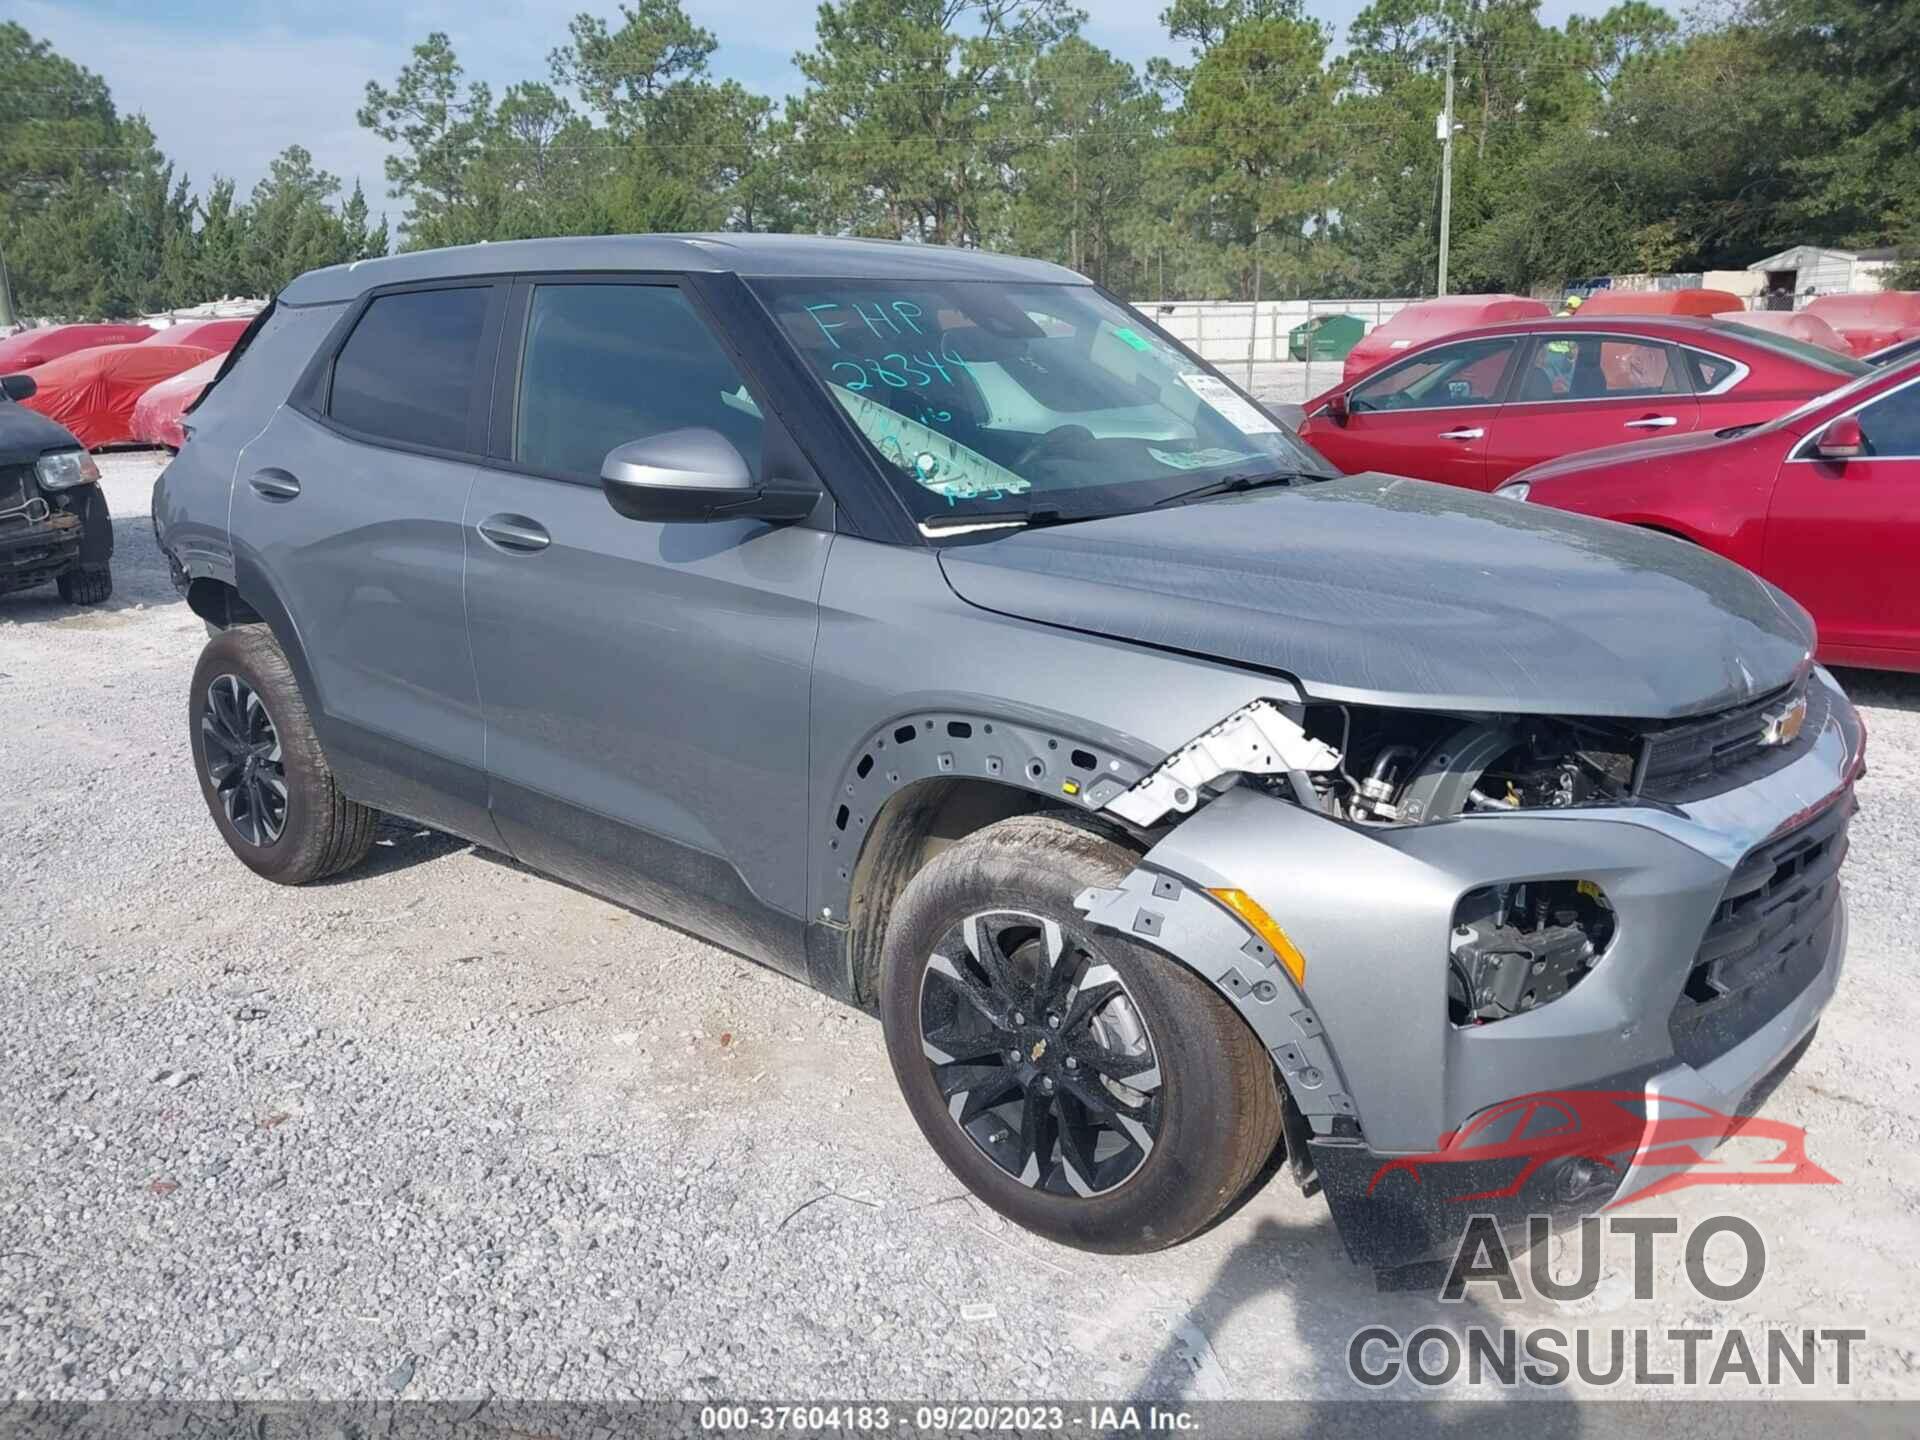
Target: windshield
x=983 y=398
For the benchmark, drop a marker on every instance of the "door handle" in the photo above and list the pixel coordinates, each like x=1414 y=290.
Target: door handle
x=1473 y=432
x=514 y=532
x=1652 y=422
x=274 y=484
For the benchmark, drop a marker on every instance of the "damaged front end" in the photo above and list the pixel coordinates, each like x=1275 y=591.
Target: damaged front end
x=53 y=519
x=1424 y=915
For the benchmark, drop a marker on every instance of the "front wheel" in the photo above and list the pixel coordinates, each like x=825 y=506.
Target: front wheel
x=1087 y=1088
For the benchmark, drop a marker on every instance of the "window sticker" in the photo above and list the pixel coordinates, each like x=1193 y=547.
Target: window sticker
x=1228 y=404
x=1129 y=336
x=1199 y=459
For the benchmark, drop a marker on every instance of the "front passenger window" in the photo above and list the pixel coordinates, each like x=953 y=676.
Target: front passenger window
x=1465 y=374
x=608 y=364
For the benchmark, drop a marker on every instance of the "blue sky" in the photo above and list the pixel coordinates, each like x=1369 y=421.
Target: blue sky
x=228 y=84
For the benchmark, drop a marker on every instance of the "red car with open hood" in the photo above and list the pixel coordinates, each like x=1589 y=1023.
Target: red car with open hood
x=1475 y=408
x=1824 y=502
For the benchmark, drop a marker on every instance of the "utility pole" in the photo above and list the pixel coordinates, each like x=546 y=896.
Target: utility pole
x=1446 y=175
x=8 y=319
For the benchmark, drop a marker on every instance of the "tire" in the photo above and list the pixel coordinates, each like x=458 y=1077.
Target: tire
x=279 y=809
x=86 y=587
x=1212 y=1114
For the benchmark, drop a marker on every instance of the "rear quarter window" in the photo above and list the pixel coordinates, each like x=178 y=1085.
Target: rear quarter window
x=407 y=372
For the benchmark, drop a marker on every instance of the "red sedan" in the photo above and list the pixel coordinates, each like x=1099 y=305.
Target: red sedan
x=1477 y=407
x=1824 y=502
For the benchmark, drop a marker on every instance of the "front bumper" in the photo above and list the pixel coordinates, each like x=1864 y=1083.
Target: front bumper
x=75 y=530
x=1365 y=1043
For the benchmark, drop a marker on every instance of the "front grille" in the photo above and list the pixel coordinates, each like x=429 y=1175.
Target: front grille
x=1690 y=759
x=1767 y=939
x=13 y=486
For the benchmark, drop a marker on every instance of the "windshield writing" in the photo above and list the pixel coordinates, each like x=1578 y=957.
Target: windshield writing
x=982 y=396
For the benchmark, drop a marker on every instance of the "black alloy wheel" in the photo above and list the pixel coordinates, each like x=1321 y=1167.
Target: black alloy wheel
x=1041 y=1054
x=244 y=760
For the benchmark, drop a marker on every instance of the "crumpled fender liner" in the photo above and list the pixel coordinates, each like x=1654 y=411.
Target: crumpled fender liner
x=1184 y=922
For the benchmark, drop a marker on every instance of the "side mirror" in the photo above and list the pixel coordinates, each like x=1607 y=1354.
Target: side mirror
x=19 y=387
x=1337 y=410
x=696 y=474
x=1842 y=440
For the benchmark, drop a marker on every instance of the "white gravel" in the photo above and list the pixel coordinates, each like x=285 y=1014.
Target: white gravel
x=443 y=1128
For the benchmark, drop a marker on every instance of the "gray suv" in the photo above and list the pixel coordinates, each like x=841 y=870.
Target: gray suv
x=933 y=628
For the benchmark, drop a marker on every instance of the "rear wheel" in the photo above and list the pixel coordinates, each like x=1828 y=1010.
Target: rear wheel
x=263 y=775
x=1087 y=1088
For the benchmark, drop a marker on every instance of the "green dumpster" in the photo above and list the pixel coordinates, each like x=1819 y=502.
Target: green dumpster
x=1325 y=337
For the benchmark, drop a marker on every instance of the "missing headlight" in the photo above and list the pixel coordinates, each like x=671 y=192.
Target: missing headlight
x=1517 y=947
x=1409 y=767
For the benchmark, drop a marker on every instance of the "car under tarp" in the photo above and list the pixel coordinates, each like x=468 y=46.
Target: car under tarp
x=218 y=336
x=1799 y=325
x=1872 y=321
x=1429 y=320
x=159 y=416
x=49 y=342
x=93 y=392
x=1660 y=302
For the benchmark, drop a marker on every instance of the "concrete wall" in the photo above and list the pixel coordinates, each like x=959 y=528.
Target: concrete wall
x=1229 y=332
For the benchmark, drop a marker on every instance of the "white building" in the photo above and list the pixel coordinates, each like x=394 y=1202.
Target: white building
x=1795 y=276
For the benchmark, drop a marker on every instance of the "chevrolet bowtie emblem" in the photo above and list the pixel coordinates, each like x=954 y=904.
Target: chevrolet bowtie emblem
x=1039 y=1049
x=1781 y=726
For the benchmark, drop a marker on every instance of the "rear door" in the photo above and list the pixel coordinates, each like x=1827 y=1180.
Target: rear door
x=347 y=513
x=645 y=684
x=1843 y=536
x=1579 y=391
x=1426 y=416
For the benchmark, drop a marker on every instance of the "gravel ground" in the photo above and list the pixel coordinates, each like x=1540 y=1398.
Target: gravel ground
x=443 y=1128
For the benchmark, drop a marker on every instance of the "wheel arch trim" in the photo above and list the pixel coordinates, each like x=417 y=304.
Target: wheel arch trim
x=257 y=593
x=1064 y=766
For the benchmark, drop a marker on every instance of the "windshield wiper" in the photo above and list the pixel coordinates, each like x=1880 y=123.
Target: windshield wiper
x=1232 y=484
x=1001 y=520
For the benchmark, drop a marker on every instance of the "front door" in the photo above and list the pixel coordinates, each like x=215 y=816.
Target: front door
x=348 y=510
x=1579 y=392
x=1426 y=416
x=645 y=685
x=1843 y=536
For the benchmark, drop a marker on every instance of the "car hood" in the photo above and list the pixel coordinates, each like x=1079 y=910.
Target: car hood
x=26 y=435
x=1376 y=589
x=1610 y=457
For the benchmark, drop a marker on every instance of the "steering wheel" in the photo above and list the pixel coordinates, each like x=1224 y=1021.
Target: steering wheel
x=1061 y=437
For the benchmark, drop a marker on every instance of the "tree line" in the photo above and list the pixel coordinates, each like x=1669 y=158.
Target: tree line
x=1256 y=160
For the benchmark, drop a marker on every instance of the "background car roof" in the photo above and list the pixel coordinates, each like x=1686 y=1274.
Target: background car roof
x=1699 y=329
x=754 y=255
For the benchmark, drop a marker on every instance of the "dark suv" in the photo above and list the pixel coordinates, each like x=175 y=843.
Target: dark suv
x=54 y=524
x=932 y=627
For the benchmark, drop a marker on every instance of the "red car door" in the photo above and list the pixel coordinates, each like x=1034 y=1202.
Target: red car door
x=1581 y=391
x=1425 y=416
x=1843 y=536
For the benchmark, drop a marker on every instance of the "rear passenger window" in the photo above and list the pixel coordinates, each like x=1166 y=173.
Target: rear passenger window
x=1594 y=367
x=407 y=372
x=609 y=364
